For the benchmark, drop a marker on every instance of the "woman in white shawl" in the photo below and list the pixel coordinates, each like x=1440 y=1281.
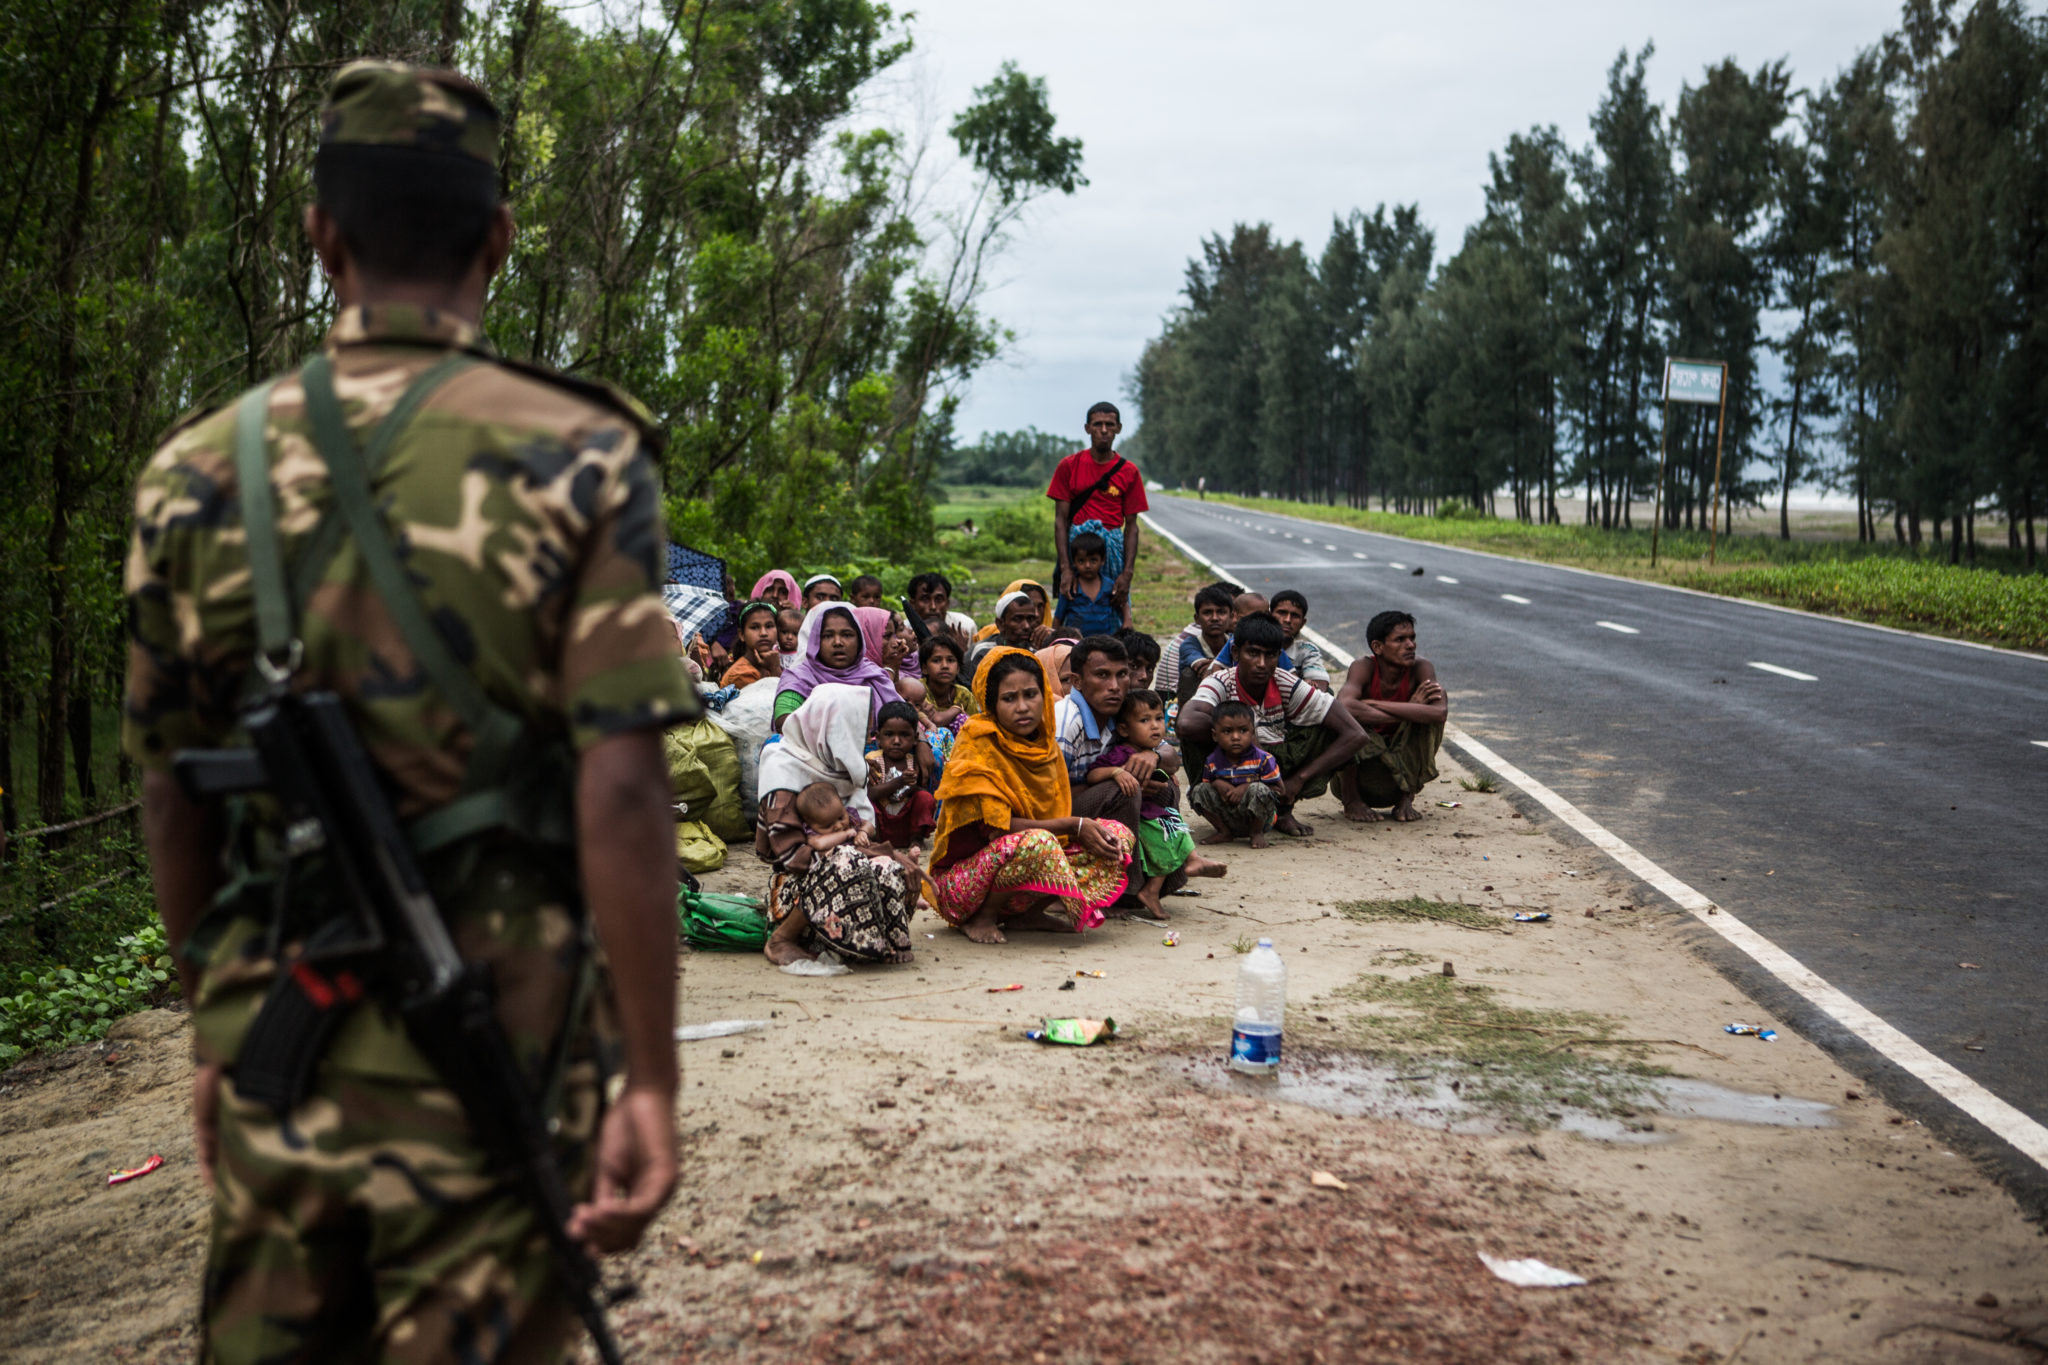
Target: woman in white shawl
x=843 y=900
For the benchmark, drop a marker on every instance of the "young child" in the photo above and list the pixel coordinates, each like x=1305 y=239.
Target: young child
x=1085 y=599
x=1240 y=788
x=865 y=591
x=1144 y=652
x=830 y=829
x=947 y=701
x=1164 y=842
x=788 y=622
x=905 y=814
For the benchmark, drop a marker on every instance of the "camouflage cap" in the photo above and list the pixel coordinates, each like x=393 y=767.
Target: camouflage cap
x=393 y=104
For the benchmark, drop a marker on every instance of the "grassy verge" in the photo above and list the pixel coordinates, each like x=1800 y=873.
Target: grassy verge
x=1883 y=583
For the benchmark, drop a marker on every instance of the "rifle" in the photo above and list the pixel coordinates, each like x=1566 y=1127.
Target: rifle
x=306 y=753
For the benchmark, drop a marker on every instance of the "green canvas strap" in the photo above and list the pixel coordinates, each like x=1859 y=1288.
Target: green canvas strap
x=313 y=560
x=496 y=732
x=274 y=632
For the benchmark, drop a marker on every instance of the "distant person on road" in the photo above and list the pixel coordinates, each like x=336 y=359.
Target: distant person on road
x=1098 y=490
x=1396 y=697
x=1306 y=731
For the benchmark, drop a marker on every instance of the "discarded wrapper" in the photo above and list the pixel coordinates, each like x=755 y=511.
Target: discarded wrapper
x=1768 y=1035
x=1073 y=1032
x=1450 y=805
x=1531 y=917
x=1531 y=1274
x=998 y=990
x=135 y=1172
x=1323 y=1180
x=1098 y=975
x=1066 y=985
x=718 y=1028
x=1172 y=939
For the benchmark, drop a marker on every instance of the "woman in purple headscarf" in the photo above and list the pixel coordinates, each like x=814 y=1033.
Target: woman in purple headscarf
x=831 y=648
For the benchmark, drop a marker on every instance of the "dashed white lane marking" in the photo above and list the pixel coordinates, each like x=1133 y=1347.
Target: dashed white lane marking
x=2025 y=1135
x=1445 y=578
x=1392 y=565
x=1358 y=554
x=1616 y=625
x=1518 y=601
x=1784 y=672
x=1331 y=548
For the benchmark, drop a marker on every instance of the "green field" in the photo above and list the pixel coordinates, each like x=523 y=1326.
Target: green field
x=1888 y=584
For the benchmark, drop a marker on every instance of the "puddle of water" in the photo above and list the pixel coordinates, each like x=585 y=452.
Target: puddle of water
x=1423 y=1095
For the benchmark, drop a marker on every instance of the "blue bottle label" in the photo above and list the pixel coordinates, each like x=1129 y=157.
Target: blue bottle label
x=1261 y=1048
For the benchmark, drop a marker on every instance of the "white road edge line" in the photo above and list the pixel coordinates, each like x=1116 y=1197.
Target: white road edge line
x=1784 y=672
x=1518 y=601
x=1616 y=625
x=2023 y=1133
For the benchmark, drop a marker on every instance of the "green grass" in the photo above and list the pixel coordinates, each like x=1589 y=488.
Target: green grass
x=1482 y=783
x=1520 y=1059
x=1883 y=582
x=1419 y=909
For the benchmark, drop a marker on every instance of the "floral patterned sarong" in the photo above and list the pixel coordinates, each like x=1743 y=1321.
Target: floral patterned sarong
x=1030 y=865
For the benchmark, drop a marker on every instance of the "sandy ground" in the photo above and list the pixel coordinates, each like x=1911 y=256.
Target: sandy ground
x=890 y=1171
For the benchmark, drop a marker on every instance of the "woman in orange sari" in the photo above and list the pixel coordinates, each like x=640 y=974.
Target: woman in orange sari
x=1009 y=853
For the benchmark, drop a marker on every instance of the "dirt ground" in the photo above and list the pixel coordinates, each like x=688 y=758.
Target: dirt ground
x=890 y=1171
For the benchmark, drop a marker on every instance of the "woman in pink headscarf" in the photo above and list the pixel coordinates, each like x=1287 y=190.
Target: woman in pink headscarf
x=886 y=642
x=777 y=586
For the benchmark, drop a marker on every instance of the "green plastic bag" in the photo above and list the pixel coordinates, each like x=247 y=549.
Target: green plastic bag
x=722 y=924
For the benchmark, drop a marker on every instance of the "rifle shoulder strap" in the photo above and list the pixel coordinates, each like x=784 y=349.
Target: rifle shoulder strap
x=496 y=732
x=274 y=630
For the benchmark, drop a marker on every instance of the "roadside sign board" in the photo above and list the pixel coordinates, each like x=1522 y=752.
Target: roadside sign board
x=1693 y=381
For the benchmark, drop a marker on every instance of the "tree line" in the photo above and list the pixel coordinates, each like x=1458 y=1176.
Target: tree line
x=1883 y=237
x=704 y=220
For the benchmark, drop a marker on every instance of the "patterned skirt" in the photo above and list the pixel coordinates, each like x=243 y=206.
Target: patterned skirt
x=858 y=907
x=1026 y=867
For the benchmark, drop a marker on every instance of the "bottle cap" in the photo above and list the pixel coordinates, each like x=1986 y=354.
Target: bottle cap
x=1265 y=943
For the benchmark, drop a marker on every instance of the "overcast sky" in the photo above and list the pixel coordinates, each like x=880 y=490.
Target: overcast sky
x=1198 y=114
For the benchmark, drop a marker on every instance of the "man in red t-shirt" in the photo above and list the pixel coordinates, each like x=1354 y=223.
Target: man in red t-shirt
x=1099 y=490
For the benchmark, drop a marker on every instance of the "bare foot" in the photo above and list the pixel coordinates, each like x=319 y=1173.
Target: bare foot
x=1259 y=840
x=1215 y=837
x=981 y=926
x=786 y=944
x=1151 y=899
x=1198 y=866
x=1404 y=810
x=1360 y=813
x=1293 y=828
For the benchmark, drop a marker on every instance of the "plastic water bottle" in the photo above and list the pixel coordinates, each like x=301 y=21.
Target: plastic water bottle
x=1261 y=1003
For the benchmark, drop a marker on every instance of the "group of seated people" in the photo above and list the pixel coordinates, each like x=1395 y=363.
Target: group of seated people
x=1028 y=774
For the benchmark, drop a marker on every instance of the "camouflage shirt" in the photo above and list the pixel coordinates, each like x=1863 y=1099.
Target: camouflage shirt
x=526 y=510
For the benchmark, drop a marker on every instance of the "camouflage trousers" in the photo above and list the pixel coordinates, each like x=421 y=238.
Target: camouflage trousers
x=367 y=1227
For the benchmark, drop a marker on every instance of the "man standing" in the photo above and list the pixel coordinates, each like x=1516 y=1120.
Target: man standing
x=1098 y=490
x=1305 y=730
x=466 y=552
x=1403 y=707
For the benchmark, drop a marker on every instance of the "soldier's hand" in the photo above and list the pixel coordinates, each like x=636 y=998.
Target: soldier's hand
x=636 y=1171
x=205 y=1118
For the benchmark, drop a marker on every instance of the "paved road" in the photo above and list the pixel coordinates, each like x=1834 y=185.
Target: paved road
x=1875 y=803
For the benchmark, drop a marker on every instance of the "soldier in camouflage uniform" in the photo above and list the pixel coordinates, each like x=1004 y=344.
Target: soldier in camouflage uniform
x=367 y=1223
